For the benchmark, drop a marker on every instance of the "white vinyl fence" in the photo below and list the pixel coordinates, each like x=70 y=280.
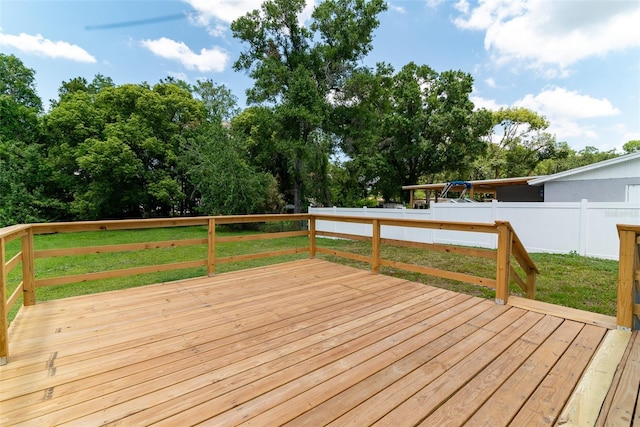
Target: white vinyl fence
x=586 y=228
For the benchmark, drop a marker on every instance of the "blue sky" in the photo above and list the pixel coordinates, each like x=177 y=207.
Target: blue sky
x=577 y=62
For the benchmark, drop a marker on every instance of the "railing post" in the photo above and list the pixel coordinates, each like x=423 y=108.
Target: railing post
x=312 y=236
x=211 y=248
x=627 y=265
x=503 y=269
x=28 y=270
x=531 y=284
x=4 y=326
x=375 y=247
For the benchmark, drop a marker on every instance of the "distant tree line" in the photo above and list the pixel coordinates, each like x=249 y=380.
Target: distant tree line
x=320 y=129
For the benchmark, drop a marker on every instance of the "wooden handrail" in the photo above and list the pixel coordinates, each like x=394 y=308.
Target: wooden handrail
x=628 y=308
x=509 y=245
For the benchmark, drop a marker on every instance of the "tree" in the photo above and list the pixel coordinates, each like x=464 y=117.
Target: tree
x=80 y=84
x=519 y=143
x=218 y=101
x=295 y=68
x=223 y=180
x=18 y=82
x=24 y=176
x=631 y=146
x=572 y=159
x=410 y=124
x=116 y=152
x=216 y=158
x=260 y=130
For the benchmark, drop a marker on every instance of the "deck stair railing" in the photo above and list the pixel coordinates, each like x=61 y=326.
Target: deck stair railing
x=509 y=248
x=628 y=316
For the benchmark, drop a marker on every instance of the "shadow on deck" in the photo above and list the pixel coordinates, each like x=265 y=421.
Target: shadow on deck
x=309 y=343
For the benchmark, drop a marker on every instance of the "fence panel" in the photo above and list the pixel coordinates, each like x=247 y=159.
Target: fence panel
x=585 y=228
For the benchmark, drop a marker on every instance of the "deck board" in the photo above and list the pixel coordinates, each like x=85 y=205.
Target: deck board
x=302 y=343
x=622 y=407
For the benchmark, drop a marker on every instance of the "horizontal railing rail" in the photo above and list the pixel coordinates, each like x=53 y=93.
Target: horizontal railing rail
x=628 y=313
x=509 y=246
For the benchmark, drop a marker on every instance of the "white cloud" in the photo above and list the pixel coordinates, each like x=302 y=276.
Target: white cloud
x=560 y=102
x=625 y=133
x=462 y=6
x=490 y=82
x=434 y=3
x=224 y=10
x=178 y=75
x=207 y=60
x=552 y=33
x=398 y=9
x=217 y=30
x=489 y=104
x=228 y=11
x=39 y=45
x=572 y=130
x=569 y=112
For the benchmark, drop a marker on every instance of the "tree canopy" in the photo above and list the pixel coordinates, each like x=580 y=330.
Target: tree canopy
x=321 y=129
x=296 y=67
x=401 y=126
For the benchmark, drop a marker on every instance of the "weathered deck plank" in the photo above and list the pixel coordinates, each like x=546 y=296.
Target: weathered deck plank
x=302 y=343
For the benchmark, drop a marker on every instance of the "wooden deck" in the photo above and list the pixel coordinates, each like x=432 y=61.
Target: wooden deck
x=303 y=343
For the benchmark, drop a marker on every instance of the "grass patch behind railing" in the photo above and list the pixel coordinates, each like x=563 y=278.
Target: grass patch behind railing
x=569 y=280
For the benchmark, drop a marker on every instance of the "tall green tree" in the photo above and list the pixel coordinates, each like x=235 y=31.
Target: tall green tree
x=219 y=103
x=216 y=159
x=18 y=82
x=406 y=125
x=261 y=131
x=116 y=151
x=224 y=182
x=518 y=144
x=295 y=68
x=80 y=84
x=24 y=177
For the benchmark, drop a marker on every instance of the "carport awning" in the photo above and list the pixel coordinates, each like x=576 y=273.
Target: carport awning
x=484 y=185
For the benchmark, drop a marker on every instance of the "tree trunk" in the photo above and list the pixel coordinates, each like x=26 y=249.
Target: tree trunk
x=297 y=189
x=297 y=200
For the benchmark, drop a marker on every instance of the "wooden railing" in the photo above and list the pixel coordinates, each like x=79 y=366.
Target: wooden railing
x=508 y=246
x=629 y=277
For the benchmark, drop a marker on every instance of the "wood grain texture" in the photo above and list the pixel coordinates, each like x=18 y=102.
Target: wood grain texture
x=307 y=342
x=587 y=399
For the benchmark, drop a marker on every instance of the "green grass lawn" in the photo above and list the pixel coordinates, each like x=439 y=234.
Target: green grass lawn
x=569 y=280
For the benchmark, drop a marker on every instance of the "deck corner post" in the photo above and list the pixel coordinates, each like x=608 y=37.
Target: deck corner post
x=4 y=326
x=211 y=248
x=28 y=270
x=627 y=263
x=312 y=236
x=503 y=268
x=375 y=247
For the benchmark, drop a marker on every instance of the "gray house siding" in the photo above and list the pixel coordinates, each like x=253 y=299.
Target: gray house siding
x=594 y=190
